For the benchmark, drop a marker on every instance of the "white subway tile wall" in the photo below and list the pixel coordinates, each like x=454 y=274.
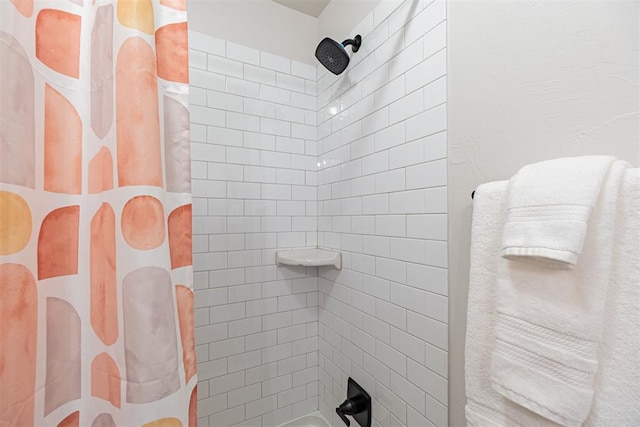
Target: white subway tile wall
x=254 y=171
x=382 y=202
x=287 y=155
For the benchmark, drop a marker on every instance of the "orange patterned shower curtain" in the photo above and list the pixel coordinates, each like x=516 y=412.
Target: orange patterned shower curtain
x=96 y=300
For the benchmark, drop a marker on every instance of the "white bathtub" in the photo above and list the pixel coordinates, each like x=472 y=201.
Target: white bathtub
x=314 y=419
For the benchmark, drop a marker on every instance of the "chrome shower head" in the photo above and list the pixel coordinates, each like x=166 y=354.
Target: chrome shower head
x=333 y=55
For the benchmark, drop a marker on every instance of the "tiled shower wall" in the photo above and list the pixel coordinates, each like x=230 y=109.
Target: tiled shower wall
x=254 y=174
x=382 y=148
x=373 y=186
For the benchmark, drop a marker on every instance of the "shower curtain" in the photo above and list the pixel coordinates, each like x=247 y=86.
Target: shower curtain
x=96 y=300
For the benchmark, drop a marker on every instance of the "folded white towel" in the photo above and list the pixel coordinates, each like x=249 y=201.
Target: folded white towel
x=549 y=321
x=485 y=407
x=549 y=207
x=617 y=383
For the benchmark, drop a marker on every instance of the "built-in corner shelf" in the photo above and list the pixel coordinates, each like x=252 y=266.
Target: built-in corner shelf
x=315 y=257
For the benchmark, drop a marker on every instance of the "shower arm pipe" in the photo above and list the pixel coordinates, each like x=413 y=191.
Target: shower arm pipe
x=355 y=42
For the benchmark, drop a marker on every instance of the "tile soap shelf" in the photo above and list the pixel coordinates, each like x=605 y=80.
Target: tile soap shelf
x=314 y=257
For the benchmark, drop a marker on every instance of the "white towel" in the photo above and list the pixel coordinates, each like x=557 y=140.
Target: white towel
x=485 y=407
x=617 y=383
x=550 y=321
x=549 y=207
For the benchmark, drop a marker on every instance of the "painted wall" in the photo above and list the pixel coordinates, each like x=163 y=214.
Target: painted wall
x=274 y=28
x=382 y=203
x=260 y=24
x=342 y=16
x=254 y=173
x=530 y=81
